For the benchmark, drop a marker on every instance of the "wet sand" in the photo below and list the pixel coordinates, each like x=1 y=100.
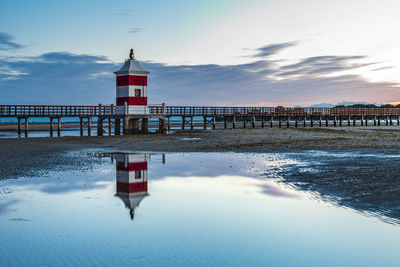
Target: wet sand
x=354 y=179
x=22 y=155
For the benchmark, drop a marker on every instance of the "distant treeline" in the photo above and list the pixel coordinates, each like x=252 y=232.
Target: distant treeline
x=370 y=106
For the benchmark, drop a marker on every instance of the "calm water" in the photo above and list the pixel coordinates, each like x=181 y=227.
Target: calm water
x=187 y=210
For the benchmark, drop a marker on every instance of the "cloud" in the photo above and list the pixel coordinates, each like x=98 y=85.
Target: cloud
x=7 y=43
x=124 y=13
x=66 y=78
x=57 y=78
x=323 y=65
x=272 y=49
x=135 y=30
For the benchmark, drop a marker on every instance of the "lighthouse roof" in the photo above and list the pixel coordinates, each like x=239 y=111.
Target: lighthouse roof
x=132 y=201
x=132 y=66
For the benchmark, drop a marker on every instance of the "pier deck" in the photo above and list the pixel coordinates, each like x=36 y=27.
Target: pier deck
x=231 y=116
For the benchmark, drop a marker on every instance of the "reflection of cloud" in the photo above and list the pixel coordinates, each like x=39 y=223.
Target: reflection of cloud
x=135 y=30
x=7 y=43
x=6 y=207
x=70 y=186
x=59 y=77
x=225 y=185
x=276 y=191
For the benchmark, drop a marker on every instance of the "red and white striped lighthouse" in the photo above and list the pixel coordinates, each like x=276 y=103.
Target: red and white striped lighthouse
x=131 y=88
x=132 y=179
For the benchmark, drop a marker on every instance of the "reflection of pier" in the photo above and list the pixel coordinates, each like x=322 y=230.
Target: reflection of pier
x=132 y=179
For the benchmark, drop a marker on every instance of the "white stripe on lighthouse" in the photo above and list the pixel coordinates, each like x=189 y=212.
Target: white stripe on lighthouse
x=129 y=90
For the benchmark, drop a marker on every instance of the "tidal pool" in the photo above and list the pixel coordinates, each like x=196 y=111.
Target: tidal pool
x=195 y=209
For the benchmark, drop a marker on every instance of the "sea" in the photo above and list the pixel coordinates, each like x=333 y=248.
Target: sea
x=126 y=208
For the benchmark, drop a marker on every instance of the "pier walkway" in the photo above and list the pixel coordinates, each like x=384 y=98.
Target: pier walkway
x=230 y=116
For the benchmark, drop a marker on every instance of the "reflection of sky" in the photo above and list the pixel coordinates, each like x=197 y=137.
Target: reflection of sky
x=190 y=218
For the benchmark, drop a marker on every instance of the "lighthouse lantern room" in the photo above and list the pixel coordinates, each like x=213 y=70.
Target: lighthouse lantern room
x=131 y=82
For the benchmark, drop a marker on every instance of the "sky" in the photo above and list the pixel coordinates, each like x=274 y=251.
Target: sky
x=220 y=52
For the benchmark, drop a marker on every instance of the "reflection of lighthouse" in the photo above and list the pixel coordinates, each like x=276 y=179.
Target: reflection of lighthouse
x=132 y=179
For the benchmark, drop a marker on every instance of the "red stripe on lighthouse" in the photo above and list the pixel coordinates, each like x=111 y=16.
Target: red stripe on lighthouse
x=132 y=100
x=132 y=166
x=131 y=80
x=132 y=187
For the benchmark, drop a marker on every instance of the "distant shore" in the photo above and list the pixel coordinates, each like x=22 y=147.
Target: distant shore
x=20 y=156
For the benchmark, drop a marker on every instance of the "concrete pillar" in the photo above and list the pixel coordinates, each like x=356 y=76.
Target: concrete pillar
x=192 y=122
x=234 y=122
x=305 y=121
x=163 y=109
x=398 y=120
x=89 y=126
x=225 y=123
x=131 y=126
x=387 y=121
x=375 y=120
x=169 y=124
x=26 y=127
x=362 y=120
x=296 y=121
x=320 y=120
x=366 y=120
x=99 y=126
x=162 y=126
x=262 y=121
x=145 y=125
x=19 y=126
x=312 y=121
x=81 y=126
x=340 y=121
x=391 y=120
x=334 y=121
x=379 y=121
x=326 y=120
x=348 y=120
x=354 y=120
x=244 y=122
x=51 y=127
x=213 y=122
x=59 y=126
x=117 y=125
x=109 y=126
x=271 y=121
x=253 y=122
x=288 y=122
x=280 y=121
x=183 y=122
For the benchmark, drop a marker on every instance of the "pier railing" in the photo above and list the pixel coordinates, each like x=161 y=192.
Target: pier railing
x=54 y=111
x=272 y=111
x=99 y=110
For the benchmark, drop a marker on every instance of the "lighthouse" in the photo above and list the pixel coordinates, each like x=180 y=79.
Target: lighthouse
x=131 y=180
x=131 y=82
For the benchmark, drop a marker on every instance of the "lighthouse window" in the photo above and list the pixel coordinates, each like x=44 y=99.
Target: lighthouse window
x=138 y=174
x=137 y=92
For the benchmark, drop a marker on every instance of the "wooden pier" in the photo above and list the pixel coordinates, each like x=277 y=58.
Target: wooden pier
x=231 y=117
